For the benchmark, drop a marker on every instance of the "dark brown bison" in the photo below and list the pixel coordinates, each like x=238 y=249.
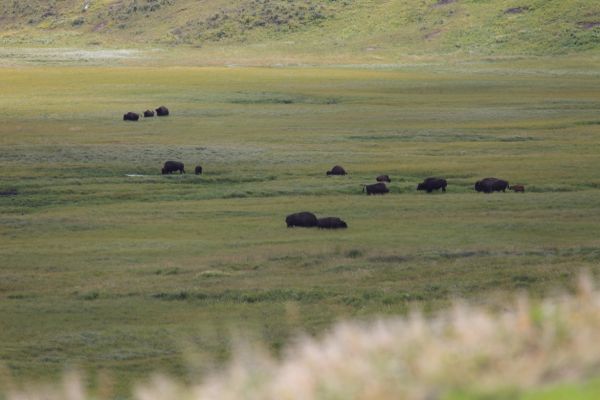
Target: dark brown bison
x=431 y=184
x=337 y=170
x=376 y=188
x=148 y=113
x=383 y=178
x=131 y=116
x=304 y=219
x=331 y=223
x=162 y=111
x=489 y=185
x=517 y=188
x=198 y=170
x=172 y=166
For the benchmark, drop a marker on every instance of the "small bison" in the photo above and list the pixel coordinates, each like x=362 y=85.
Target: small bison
x=198 y=170
x=172 y=166
x=376 y=188
x=517 y=188
x=331 y=223
x=489 y=185
x=337 y=170
x=431 y=184
x=131 y=116
x=303 y=219
x=383 y=178
x=162 y=111
x=148 y=114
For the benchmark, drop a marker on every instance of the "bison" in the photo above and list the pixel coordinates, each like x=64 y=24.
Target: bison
x=331 y=223
x=172 y=166
x=337 y=170
x=383 y=178
x=198 y=170
x=148 y=113
x=303 y=219
x=131 y=116
x=376 y=188
x=162 y=111
x=431 y=184
x=489 y=185
x=517 y=188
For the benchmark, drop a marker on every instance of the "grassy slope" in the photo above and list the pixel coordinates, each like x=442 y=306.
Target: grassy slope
x=119 y=273
x=356 y=31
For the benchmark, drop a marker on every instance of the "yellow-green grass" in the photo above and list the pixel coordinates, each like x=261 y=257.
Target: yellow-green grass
x=107 y=271
x=355 y=31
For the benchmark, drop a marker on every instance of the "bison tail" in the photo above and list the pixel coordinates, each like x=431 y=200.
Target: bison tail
x=364 y=186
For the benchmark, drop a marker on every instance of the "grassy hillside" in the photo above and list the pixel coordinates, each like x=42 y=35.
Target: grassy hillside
x=380 y=30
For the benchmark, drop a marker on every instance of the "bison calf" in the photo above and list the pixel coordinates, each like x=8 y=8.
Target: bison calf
x=517 y=188
x=376 y=188
x=303 y=219
x=431 y=184
x=331 y=223
x=172 y=166
x=198 y=170
x=337 y=170
x=383 y=178
x=131 y=116
x=148 y=114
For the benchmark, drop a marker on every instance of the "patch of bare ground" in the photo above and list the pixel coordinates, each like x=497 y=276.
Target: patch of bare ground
x=433 y=34
x=589 y=24
x=443 y=2
x=517 y=10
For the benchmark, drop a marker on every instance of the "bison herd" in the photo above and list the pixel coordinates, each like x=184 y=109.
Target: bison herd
x=161 y=111
x=307 y=219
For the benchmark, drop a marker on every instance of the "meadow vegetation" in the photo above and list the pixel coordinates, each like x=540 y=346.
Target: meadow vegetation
x=126 y=275
x=309 y=31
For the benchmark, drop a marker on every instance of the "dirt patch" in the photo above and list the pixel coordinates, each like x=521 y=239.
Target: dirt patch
x=99 y=27
x=444 y=2
x=589 y=24
x=433 y=34
x=516 y=10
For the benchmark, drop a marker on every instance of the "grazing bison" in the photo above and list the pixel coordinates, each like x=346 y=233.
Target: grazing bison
x=331 y=223
x=489 y=185
x=148 y=113
x=337 y=170
x=198 y=170
x=383 y=178
x=517 y=188
x=304 y=219
x=162 y=111
x=172 y=166
x=431 y=184
x=131 y=116
x=376 y=188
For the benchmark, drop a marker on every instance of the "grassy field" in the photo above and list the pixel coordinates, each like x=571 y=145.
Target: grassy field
x=134 y=274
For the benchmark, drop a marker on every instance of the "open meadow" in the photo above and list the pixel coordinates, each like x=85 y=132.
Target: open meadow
x=129 y=275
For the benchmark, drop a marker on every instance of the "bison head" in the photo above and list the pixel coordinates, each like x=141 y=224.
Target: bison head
x=420 y=186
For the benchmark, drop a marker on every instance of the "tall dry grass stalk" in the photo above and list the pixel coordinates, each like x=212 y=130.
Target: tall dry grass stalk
x=529 y=345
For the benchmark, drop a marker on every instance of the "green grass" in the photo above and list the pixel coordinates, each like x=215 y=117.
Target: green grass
x=127 y=274
x=310 y=31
